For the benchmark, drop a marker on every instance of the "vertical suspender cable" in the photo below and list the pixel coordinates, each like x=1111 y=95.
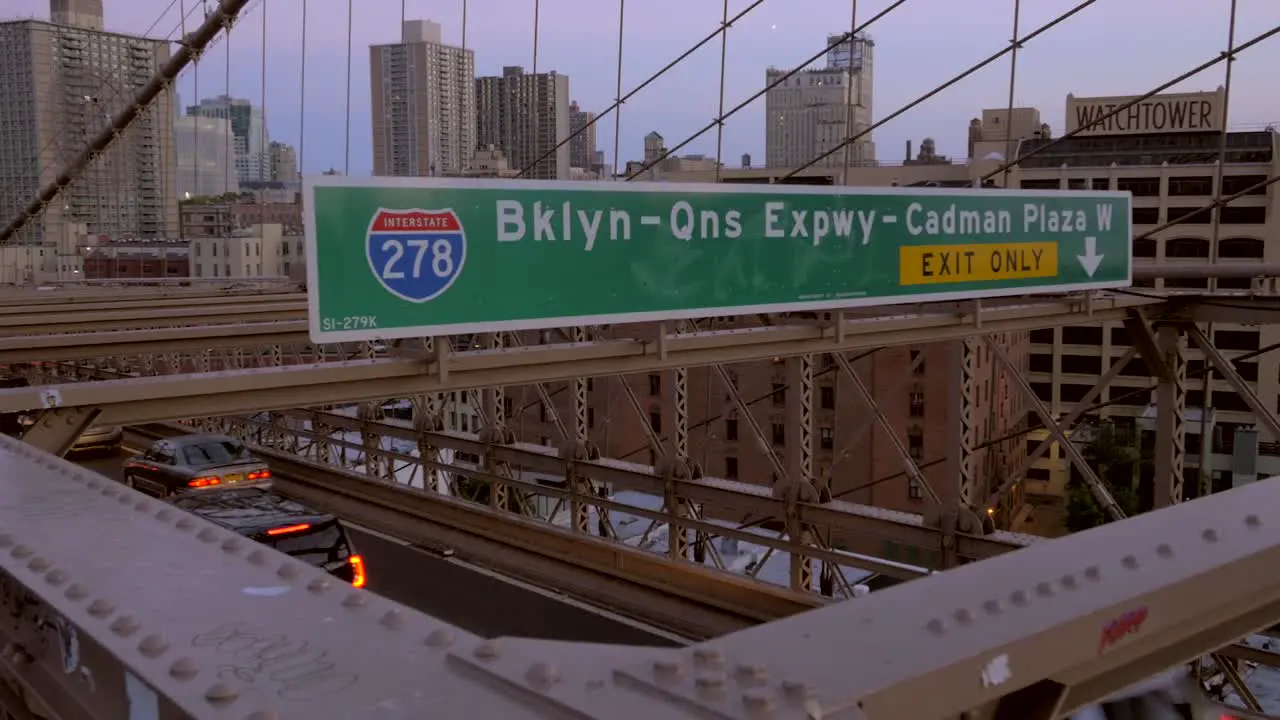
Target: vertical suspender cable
x=302 y=97
x=346 y=162
x=617 y=99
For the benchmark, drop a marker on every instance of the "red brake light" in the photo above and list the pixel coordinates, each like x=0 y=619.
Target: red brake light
x=260 y=474
x=203 y=482
x=288 y=529
x=357 y=571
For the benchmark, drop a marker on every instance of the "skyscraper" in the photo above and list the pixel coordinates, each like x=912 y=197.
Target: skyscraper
x=423 y=104
x=62 y=83
x=251 y=159
x=206 y=156
x=582 y=148
x=526 y=116
x=809 y=113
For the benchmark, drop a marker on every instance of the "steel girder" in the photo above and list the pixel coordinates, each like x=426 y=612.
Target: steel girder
x=738 y=499
x=159 y=398
x=136 y=608
x=95 y=325
x=64 y=346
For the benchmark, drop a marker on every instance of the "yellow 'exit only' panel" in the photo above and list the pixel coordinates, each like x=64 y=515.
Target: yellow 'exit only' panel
x=940 y=264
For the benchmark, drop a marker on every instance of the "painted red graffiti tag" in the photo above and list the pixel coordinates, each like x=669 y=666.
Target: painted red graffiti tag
x=1129 y=623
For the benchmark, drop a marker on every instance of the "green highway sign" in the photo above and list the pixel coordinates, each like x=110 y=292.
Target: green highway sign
x=412 y=257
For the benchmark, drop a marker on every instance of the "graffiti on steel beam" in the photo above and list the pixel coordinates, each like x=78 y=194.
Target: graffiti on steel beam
x=1116 y=630
x=297 y=669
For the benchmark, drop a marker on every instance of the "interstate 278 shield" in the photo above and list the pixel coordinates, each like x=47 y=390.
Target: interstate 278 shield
x=416 y=254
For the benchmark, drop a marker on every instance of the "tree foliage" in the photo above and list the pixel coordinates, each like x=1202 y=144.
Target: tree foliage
x=1117 y=462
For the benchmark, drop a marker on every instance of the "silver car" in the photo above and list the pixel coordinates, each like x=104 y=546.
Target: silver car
x=99 y=439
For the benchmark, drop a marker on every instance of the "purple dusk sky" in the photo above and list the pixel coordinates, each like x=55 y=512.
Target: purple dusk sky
x=1113 y=47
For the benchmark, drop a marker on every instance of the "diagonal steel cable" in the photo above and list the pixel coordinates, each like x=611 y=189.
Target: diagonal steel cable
x=228 y=11
x=617 y=104
x=1223 y=56
x=51 y=142
x=719 y=120
x=1013 y=45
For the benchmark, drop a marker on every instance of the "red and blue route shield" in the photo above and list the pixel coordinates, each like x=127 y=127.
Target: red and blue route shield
x=416 y=255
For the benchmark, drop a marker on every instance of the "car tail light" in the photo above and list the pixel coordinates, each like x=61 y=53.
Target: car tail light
x=357 y=571
x=288 y=529
x=204 y=482
x=260 y=474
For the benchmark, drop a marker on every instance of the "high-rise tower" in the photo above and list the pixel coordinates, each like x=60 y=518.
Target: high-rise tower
x=423 y=104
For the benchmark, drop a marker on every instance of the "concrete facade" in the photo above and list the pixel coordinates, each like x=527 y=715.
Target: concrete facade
x=423 y=104
x=60 y=84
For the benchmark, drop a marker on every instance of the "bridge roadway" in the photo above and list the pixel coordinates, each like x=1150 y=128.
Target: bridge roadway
x=467 y=596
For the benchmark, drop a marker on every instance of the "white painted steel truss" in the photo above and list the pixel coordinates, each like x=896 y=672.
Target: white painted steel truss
x=88 y=632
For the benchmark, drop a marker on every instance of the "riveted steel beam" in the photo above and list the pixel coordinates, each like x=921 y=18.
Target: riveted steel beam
x=740 y=499
x=1171 y=406
x=160 y=398
x=56 y=430
x=66 y=346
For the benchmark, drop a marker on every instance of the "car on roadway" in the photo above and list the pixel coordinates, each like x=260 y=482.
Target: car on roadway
x=16 y=423
x=187 y=463
x=259 y=513
x=103 y=439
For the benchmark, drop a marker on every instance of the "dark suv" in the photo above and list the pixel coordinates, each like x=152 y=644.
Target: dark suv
x=265 y=516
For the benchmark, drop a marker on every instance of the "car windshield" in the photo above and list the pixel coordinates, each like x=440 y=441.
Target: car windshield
x=216 y=452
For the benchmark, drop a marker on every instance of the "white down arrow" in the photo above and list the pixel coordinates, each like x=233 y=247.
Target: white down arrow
x=1090 y=260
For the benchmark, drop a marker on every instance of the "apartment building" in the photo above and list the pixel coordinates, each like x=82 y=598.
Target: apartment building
x=526 y=115
x=423 y=104
x=284 y=162
x=61 y=82
x=812 y=112
x=1165 y=152
x=254 y=252
x=582 y=148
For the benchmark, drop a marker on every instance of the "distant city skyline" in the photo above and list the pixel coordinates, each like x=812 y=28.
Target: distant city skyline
x=580 y=40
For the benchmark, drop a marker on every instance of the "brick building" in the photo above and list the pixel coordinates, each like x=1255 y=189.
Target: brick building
x=220 y=219
x=136 y=261
x=863 y=465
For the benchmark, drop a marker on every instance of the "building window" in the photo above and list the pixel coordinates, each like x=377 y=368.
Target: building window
x=731 y=429
x=1196 y=186
x=914 y=491
x=591 y=417
x=1140 y=187
x=1240 y=248
x=1186 y=247
x=731 y=468
x=827 y=397
x=916 y=405
x=826 y=438
x=1146 y=215
x=917 y=364
x=779 y=434
x=779 y=395
x=544 y=412
x=655 y=384
x=655 y=421
x=915 y=444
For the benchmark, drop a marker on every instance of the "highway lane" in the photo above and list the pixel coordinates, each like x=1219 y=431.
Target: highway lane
x=467 y=596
